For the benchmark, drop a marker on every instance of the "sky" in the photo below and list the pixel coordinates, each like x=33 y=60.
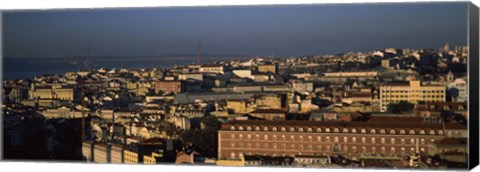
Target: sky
x=279 y=30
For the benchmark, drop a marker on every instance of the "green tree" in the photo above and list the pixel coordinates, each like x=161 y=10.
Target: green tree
x=400 y=107
x=205 y=140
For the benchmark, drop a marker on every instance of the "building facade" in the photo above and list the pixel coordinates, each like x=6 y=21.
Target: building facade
x=412 y=92
x=350 y=139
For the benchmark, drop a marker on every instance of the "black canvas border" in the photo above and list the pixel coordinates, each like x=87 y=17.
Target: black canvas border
x=473 y=85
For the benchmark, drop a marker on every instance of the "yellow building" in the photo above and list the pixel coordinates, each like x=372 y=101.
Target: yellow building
x=152 y=159
x=351 y=74
x=413 y=92
x=231 y=162
x=238 y=106
x=265 y=68
x=273 y=101
x=52 y=93
x=130 y=157
x=101 y=153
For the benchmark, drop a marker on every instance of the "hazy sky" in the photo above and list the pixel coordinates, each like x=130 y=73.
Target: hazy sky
x=250 y=30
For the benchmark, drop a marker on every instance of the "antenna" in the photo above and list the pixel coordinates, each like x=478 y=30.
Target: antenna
x=199 y=53
x=86 y=64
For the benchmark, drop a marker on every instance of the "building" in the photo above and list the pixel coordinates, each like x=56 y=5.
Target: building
x=87 y=151
x=13 y=129
x=194 y=76
x=413 y=92
x=184 y=157
x=130 y=157
x=434 y=109
x=154 y=158
x=267 y=68
x=116 y=154
x=212 y=68
x=351 y=74
x=349 y=139
x=168 y=87
x=269 y=114
x=101 y=153
x=52 y=92
x=273 y=101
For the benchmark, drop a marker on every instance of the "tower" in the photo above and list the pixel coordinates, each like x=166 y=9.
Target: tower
x=450 y=76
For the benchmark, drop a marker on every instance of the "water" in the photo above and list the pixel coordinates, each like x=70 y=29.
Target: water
x=28 y=68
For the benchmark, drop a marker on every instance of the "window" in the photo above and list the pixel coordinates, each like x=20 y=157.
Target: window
x=354 y=139
x=382 y=131
x=327 y=138
x=364 y=140
x=232 y=136
x=319 y=138
x=240 y=128
x=300 y=130
x=432 y=132
x=292 y=129
x=284 y=129
x=232 y=128
x=373 y=140
x=383 y=140
x=345 y=139
x=412 y=132
x=319 y=130
x=354 y=130
x=412 y=141
x=257 y=137
x=310 y=138
x=309 y=130
x=392 y=140
x=363 y=131
x=335 y=130
x=402 y=150
x=274 y=137
x=392 y=150
x=274 y=129
x=383 y=149
x=345 y=130
x=249 y=136
x=422 y=141
x=283 y=138
x=257 y=128
x=440 y=132
x=265 y=128
x=402 y=141
x=402 y=131
x=301 y=138
x=335 y=139
x=327 y=130
x=392 y=131
x=374 y=149
x=422 y=131
x=292 y=138
x=265 y=137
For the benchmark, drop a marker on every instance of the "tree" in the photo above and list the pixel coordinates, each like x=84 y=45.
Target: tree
x=400 y=107
x=204 y=140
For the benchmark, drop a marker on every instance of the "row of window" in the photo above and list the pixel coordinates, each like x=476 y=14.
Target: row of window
x=409 y=91
x=363 y=149
x=335 y=139
x=336 y=130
